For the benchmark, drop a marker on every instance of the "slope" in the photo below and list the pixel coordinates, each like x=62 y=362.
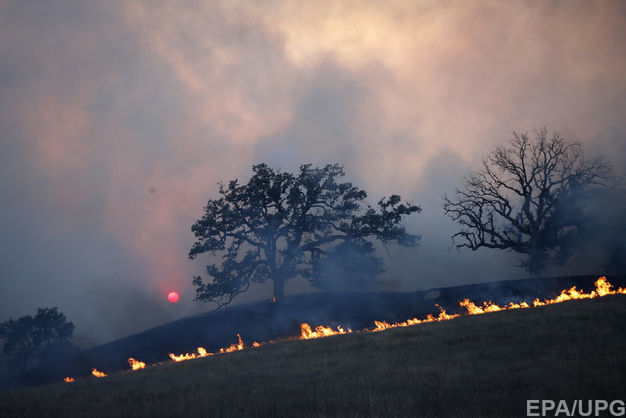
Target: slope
x=484 y=365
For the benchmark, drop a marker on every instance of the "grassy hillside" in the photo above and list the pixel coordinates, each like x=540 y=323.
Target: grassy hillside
x=485 y=365
x=264 y=321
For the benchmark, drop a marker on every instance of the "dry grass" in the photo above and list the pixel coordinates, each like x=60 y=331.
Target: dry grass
x=484 y=365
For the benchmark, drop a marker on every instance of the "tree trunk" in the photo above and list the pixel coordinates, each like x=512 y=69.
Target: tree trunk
x=24 y=364
x=536 y=263
x=279 y=289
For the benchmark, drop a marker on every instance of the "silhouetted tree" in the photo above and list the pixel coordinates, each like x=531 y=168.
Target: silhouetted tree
x=348 y=265
x=279 y=226
x=529 y=198
x=27 y=338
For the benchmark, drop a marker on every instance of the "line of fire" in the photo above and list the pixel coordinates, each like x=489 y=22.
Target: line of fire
x=602 y=288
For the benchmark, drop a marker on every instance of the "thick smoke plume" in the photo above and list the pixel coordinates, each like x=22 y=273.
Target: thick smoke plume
x=118 y=119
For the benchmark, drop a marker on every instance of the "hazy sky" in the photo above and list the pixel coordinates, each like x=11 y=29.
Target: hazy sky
x=118 y=118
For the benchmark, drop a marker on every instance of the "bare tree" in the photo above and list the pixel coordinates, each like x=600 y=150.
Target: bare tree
x=528 y=197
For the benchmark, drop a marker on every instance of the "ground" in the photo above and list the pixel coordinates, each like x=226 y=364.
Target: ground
x=484 y=365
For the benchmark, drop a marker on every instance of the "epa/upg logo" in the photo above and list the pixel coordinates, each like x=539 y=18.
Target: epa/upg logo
x=550 y=408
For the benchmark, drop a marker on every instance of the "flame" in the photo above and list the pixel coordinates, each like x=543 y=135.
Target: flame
x=182 y=357
x=234 y=347
x=135 y=364
x=473 y=309
x=603 y=288
x=443 y=316
x=203 y=353
x=306 y=333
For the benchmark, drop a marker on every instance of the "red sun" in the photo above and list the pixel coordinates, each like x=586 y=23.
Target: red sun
x=173 y=297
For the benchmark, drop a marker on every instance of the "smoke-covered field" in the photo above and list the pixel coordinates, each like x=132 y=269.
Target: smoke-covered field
x=486 y=365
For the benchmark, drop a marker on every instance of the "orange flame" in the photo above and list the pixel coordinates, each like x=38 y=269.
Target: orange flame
x=603 y=288
x=69 y=379
x=306 y=333
x=234 y=347
x=203 y=353
x=473 y=309
x=135 y=364
x=182 y=357
x=443 y=316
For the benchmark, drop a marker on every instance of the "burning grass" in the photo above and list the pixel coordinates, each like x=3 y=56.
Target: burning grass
x=480 y=365
x=135 y=364
x=307 y=333
x=96 y=373
x=603 y=288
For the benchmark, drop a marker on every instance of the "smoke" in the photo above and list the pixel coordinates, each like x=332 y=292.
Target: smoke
x=602 y=247
x=119 y=119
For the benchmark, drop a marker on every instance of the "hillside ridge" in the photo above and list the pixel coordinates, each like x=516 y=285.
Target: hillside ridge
x=264 y=321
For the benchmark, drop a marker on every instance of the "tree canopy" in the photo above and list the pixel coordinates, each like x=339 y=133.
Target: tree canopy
x=28 y=338
x=279 y=226
x=528 y=197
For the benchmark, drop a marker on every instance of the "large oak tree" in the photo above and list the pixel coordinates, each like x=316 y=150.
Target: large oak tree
x=279 y=226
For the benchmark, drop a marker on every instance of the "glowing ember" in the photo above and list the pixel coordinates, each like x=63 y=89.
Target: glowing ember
x=136 y=365
x=173 y=297
x=97 y=373
x=69 y=379
x=306 y=333
x=255 y=344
